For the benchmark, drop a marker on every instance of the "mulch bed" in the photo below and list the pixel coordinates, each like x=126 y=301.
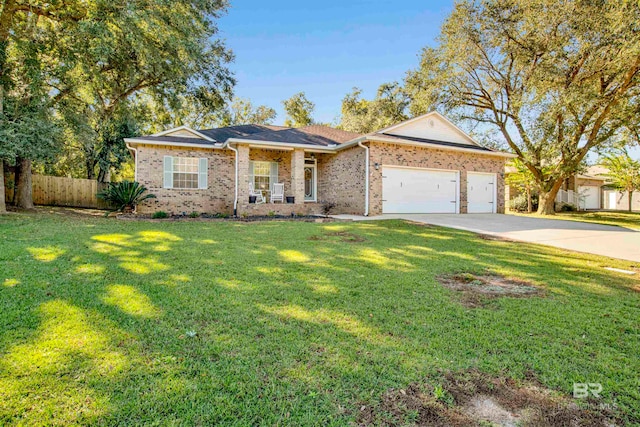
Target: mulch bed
x=472 y=398
x=210 y=217
x=477 y=290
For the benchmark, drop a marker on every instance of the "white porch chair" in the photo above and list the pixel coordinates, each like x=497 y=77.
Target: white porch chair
x=277 y=193
x=258 y=193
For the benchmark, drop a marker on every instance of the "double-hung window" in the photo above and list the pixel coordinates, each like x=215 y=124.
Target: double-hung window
x=185 y=172
x=263 y=174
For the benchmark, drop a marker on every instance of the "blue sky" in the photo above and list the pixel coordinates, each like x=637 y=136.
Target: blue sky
x=325 y=48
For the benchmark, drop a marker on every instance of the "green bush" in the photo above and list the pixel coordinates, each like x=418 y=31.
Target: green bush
x=566 y=207
x=125 y=195
x=160 y=215
x=519 y=203
x=194 y=214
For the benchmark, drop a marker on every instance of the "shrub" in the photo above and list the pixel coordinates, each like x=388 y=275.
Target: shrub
x=222 y=215
x=519 y=203
x=327 y=207
x=566 y=207
x=160 y=215
x=125 y=195
x=194 y=214
x=271 y=214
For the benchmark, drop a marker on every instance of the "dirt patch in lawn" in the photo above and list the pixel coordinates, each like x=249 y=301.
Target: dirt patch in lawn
x=493 y=238
x=472 y=398
x=477 y=289
x=338 y=236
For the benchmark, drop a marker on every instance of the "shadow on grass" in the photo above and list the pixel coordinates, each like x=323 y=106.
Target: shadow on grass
x=111 y=322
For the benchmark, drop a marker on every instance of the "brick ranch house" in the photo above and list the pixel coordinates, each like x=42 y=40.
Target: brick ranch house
x=423 y=165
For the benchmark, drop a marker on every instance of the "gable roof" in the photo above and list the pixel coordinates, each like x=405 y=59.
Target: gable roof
x=429 y=130
x=432 y=126
x=184 y=129
x=313 y=135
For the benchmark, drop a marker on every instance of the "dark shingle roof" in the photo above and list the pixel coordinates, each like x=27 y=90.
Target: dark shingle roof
x=433 y=141
x=240 y=131
x=314 y=135
x=309 y=135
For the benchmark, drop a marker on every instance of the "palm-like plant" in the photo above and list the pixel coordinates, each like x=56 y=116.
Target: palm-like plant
x=125 y=195
x=523 y=180
x=624 y=173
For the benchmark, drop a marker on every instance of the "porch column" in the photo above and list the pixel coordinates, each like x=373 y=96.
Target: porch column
x=243 y=175
x=297 y=175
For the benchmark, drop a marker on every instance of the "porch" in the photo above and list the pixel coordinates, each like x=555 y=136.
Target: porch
x=295 y=168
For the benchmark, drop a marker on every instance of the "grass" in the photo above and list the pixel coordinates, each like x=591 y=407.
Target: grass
x=624 y=219
x=108 y=322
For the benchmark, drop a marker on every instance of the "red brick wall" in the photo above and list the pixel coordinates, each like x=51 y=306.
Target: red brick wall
x=218 y=197
x=341 y=177
x=405 y=155
x=341 y=180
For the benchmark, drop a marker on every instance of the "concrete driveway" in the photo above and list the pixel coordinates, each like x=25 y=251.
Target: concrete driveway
x=611 y=241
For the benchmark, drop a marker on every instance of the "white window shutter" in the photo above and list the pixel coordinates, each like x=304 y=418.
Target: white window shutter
x=168 y=172
x=203 y=169
x=251 y=180
x=274 y=174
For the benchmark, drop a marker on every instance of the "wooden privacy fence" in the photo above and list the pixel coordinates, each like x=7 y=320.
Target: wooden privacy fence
x=62 y=191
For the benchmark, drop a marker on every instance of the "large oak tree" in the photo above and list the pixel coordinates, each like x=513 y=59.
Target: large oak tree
x=388 y=107
x=556 y=79
x=97 y=55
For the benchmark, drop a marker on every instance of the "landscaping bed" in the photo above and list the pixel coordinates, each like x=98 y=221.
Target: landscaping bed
x=225 y=217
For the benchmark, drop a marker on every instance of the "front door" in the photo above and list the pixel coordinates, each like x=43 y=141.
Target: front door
x=310 y=182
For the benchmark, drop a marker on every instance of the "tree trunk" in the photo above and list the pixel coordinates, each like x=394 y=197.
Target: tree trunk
x=547 y=199
x=3 y=207
x=24 y=195
x=529 y=201
x=90 y=164
x=630 y=200
x=104 y=176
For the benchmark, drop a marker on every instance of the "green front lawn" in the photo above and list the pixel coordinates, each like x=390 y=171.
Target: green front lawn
x=280 y=323
x=620 y=218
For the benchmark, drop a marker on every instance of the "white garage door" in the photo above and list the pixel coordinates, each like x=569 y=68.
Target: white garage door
x=406 y=190
x=589 y=197
x=481 y=192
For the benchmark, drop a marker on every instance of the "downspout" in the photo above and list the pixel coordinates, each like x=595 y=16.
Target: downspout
x=135 y=160
x=235 y=200
x=366 y=178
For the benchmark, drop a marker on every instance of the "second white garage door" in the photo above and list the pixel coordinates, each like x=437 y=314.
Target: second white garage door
x=412 y=190
x=481 y=192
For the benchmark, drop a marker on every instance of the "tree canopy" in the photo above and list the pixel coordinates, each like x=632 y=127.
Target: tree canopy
x=299 y=110
x=390 y=106
x=94 y=60
x=556 y=79
x=242 y=112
